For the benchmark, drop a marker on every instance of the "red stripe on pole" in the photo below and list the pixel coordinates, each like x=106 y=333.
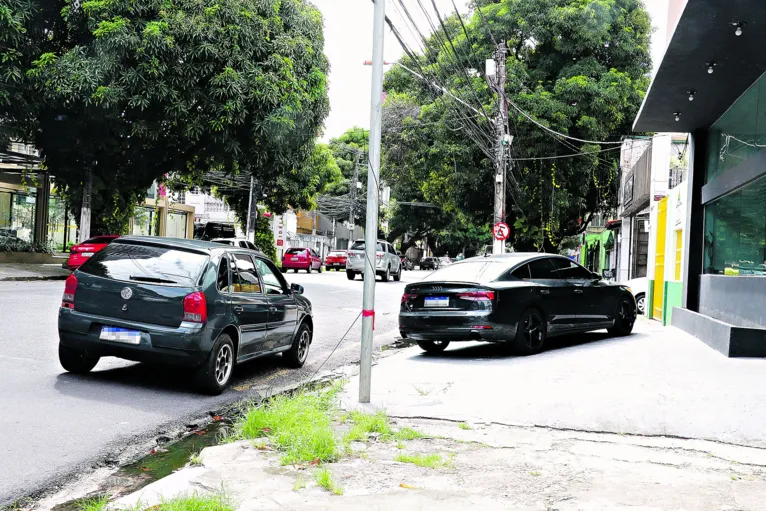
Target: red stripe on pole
x=369 y=314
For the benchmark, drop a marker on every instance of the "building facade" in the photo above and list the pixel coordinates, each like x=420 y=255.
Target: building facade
x=711 y=84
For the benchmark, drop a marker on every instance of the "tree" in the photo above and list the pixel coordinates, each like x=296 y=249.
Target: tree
x=578 y=67
x=133 y=90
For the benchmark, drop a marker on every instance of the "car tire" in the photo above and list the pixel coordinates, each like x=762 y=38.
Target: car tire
x=296 y=356
x=624 y=318
x=386 y=275
x=76 y=361
x=350 y=275
x=531 y=332
x=641 y=303
x=433 y=346
x=308 y=268
x=319 y=269
x=398 y=276
x=214 y=375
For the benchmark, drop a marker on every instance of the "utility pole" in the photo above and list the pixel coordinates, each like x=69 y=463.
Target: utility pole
x=85 y=208
x=498 y=246
x=250 y=228
x=352 y=191
x=371 y=234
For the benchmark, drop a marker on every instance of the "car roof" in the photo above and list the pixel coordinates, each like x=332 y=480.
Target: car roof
x=514 y=257
x=205 y=246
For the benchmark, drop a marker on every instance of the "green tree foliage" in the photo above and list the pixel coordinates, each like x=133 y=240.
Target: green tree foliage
x=264 y=237
x=579 y=67
x=137 y=89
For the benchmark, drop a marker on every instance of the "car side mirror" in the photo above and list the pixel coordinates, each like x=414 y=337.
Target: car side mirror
x=595 y=275
x=296 y=289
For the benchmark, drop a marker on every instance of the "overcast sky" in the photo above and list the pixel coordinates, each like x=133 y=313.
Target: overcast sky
x=348 y=43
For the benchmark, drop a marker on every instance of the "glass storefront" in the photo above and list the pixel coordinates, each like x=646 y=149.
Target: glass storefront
x=17 y=214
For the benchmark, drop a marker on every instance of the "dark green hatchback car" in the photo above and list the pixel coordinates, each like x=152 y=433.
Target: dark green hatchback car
x=182 y=302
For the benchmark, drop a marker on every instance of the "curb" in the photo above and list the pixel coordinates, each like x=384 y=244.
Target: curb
x=36 y=278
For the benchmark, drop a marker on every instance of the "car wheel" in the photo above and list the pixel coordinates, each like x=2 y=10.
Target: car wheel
x=433 y=346
x=531 y=332
x=398 y=276
x=214 y=375
x=641 y=303
x=385 y=276
x=308 y=268
x=350 y=275
x=625 y=317
x=296 y=356
x=76 y=361
x=320 y=269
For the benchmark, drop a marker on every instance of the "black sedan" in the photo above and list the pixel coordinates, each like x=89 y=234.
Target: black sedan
x=189 y=303
x=519 y=299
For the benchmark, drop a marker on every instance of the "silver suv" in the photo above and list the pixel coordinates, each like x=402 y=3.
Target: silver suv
x=387 y=263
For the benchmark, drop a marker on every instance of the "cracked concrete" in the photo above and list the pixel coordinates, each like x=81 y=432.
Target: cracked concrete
x=488 y=467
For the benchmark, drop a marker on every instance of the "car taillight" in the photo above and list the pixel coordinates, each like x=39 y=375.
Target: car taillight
x=478 y=296
x=406 y=297
x=75 y=249
x=70 y=287
x=195 y=308
x=379 y=256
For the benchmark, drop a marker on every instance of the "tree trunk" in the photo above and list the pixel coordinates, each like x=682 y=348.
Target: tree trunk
x=85 y=208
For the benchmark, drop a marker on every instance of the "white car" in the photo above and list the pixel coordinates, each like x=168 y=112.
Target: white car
x=638 y=288
x=387 y=263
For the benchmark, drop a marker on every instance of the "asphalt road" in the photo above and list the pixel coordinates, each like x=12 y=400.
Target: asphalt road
x=54 y=424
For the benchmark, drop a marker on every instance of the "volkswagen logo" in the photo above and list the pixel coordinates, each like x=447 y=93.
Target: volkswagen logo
x=126 y=293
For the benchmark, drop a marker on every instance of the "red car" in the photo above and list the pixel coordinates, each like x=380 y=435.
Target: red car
x=336 y=260
x=78 y=254
x=301 y=259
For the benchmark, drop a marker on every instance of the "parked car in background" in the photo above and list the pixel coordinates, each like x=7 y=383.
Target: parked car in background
x=387 y=263
x=81 y=252
x=212 y=230
x=236 y=242
x=518 y=299
x=181 y=302
x=300 y=258
x=336 y=260
x=638 y=287
x=430 y=263
x=444 y=261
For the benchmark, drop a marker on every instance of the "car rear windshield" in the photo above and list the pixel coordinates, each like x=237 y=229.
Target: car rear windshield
x=296 y=251
x=337 y=254
x=473 y=271
x=146 y=263
x=359 y=245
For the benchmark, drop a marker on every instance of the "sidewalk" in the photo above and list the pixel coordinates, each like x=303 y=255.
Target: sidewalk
x=24 y=272
x=646 y=422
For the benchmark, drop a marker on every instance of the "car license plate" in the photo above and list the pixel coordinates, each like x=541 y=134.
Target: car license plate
x=437 y=301
x=293 y=258
x=113 y=333
x=87 y=254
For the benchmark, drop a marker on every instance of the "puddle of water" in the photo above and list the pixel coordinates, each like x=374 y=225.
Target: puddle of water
x=164 y=461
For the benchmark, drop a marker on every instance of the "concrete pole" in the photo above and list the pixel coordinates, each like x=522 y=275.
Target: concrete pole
x=371 y=234
x=85 y=208
x=249 y=211
x=498 y=246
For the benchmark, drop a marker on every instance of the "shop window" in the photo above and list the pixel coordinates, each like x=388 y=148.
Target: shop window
x=735 y=232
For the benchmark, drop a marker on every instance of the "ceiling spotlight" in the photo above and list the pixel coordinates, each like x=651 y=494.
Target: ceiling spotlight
x=677 y=116
x=710 y=67
x=691 y=94
x=738 y=30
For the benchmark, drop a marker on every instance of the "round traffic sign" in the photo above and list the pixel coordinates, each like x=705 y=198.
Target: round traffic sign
x=501 y=231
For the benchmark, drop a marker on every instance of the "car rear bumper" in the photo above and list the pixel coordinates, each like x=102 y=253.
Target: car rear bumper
x=453 y=326
x=295 y=265
x=187 y=345
x=357 y=264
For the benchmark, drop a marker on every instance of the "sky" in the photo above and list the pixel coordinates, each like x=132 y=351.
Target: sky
x=348 y=43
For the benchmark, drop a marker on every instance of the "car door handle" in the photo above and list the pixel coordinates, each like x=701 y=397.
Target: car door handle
x=544 y=292
x=272 y=309
x=578 y=290
x=238 y=309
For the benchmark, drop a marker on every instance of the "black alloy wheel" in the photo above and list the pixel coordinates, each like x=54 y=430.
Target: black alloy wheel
x=76 y=361
x=625 y=317
x=531 y=332
x=433 y=346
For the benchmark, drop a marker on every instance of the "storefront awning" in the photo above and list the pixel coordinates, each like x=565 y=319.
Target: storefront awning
x=705 y=35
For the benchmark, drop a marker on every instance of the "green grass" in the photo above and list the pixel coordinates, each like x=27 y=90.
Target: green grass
x=422 y=460
x=535 y=473
x=324 y=479
x=364 y=424
x=195 y=460
x=299 y=483
x=192 y=502
x=465 y=426
x=299 y=425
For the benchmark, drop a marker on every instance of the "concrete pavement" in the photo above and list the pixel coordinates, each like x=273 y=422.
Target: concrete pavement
x=25 y=272
x=658 y=381
x=55 y=424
